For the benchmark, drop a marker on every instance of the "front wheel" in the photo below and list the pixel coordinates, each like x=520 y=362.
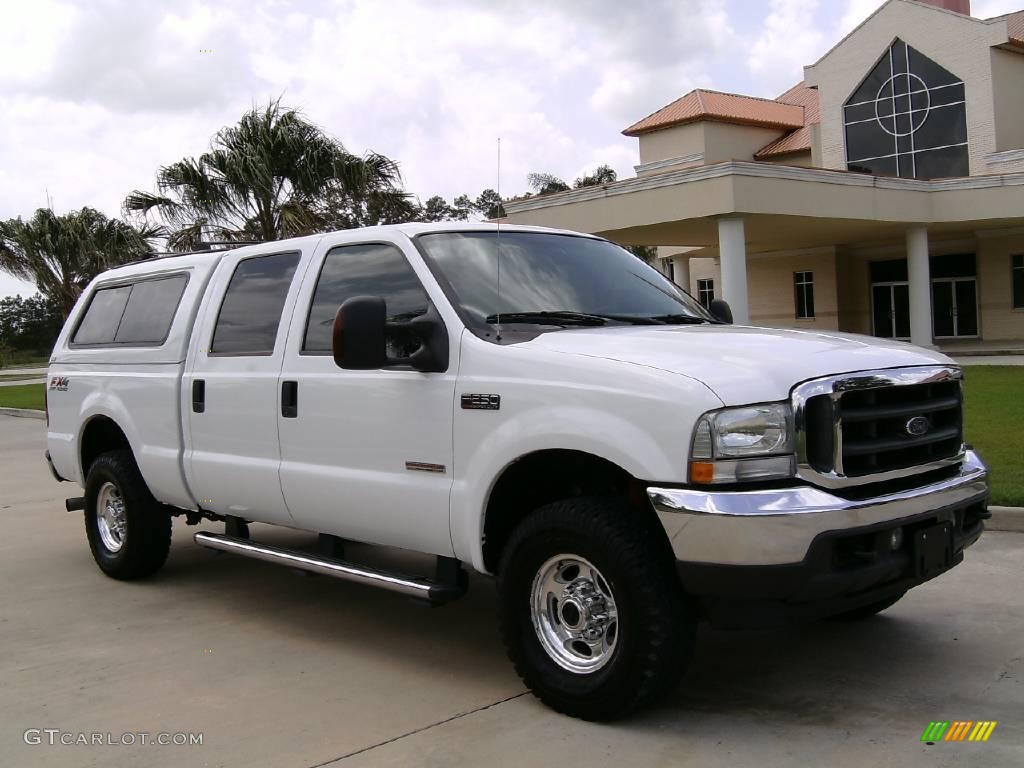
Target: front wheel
x=129 y=533
x=591 y=609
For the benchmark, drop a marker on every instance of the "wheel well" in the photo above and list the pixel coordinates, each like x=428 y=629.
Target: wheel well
x=545 y=476
x=100 y=436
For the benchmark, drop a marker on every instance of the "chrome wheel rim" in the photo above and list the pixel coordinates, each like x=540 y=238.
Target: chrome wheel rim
x=574 y=614
x=110 y=517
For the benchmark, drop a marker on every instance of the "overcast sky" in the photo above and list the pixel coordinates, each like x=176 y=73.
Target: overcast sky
x=97 y=95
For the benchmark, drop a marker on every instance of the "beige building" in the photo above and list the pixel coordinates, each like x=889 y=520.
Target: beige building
x=884 y=194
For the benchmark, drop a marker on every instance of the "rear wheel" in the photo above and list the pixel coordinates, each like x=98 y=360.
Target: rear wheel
x=591 y=609
x=129 y=532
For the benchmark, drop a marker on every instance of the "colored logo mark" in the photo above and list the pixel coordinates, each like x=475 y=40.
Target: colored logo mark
x=958 y=730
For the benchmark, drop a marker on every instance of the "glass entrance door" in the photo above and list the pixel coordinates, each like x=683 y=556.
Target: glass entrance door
x=890 y=310
x=955 y=307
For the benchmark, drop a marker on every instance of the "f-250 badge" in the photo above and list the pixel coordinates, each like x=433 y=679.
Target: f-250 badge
x=481 y=402
x=59 y=383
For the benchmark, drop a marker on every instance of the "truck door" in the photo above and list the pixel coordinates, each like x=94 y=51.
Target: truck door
x=366 y=455
x=230 y=390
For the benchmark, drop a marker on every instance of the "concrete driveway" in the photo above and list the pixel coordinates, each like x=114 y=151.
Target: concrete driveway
x=276 y=669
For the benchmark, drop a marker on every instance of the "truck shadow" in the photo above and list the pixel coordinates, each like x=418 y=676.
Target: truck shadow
x=814 y=673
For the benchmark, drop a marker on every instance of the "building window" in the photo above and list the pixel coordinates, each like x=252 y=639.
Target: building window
x=803 y=289
x=1018 y=281
x=669 y=269
x=706 y=292
x=907 y=118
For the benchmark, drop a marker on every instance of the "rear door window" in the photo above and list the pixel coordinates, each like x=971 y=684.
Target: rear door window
x=251 y=311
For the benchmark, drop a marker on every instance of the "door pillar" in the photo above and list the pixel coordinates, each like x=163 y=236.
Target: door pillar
x=919 y=277
x=732 y=251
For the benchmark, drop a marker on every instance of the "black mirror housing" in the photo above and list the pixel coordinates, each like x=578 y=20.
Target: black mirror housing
x=359 y=337
x=721 y=311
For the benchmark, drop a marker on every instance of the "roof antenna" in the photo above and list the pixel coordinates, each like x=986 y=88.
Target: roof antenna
x=498 y=238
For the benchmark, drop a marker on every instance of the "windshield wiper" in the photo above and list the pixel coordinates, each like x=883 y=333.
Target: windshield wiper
x=565 y=317
x=680 y=319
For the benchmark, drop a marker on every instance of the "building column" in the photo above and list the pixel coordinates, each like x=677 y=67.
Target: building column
x=732 y=251
x=919 y=276
x=682 y=263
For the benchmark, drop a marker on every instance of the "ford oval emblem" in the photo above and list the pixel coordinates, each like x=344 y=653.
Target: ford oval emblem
x=917 y=426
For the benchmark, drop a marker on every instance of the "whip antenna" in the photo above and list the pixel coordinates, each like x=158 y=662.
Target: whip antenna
x=498 y=237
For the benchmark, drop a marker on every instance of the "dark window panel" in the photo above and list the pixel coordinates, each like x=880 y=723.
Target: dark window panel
x=150 y=311
x=1018 y=281
x=366 y=270
x=943 y=126
x=939 y=96
x=902 y=104
x=899 y=57
x=904 y=144
x=860 y=112
x=251 y=311
x=99 y=325
x=868 y=88
x=929 y=71
x=942 y=163
x=953 y=265
x=905 y=124
x=884 y=108
x=865 y=140
x=889 y=271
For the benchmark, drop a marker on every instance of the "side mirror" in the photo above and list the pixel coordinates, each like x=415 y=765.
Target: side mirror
x=360 y=337
x=720 y=309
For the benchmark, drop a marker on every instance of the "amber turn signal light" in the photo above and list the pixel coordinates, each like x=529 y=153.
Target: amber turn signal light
x=702 y=472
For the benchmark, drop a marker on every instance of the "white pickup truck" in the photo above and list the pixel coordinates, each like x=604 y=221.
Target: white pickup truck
x=536 y=405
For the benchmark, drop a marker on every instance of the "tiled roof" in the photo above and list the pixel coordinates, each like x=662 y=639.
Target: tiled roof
x=724 y=107
x=800 y=139
x=1015 y=23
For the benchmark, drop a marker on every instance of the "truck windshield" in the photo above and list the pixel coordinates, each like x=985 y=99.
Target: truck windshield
x=559 y=280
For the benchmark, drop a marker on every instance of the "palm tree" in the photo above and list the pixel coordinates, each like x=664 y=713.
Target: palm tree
x=271 y=176
x=62 y=253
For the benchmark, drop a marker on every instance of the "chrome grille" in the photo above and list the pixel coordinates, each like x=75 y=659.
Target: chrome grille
x=878 y=425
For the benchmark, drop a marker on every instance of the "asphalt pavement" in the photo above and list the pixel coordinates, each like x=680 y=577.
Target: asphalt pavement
x=277 y=669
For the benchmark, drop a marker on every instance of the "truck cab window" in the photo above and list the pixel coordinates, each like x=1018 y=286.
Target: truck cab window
x=373 y=269
x=251 y=311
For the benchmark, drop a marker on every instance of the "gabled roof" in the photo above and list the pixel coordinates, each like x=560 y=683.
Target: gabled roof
x=722 y=107
x=800 y=139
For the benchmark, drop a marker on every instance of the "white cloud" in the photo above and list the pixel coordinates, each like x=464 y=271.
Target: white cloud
x=789 y=39
x=986 y=9
x=856 y=12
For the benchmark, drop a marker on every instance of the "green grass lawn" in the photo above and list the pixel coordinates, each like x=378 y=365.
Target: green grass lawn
x=995 y=423
x=23 y=396
x=995 y=426
x=23 y=360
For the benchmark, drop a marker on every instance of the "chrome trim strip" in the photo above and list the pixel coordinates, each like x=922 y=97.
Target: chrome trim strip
x=307 y=562
x=834 y=387
x=777 y=526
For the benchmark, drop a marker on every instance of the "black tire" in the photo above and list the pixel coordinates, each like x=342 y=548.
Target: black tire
x=147 y=526
x=869 y=610
x=656 y=625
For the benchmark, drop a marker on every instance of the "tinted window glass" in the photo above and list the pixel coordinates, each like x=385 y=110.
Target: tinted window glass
x=251 y=311
x=366 y=270
x=151 y=306
x=907 y=119
x=541 y=272
x=99 y=326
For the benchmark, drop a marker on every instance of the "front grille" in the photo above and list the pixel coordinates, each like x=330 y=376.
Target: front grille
x=875 y=432
x=878 y=423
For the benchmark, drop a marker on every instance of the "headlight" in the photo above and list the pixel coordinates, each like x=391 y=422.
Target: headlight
x=742 y=444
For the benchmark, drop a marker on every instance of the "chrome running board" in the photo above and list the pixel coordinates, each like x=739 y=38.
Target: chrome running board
x=421 y=588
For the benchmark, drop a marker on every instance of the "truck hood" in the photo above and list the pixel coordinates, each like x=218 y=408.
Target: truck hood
x=740 y=364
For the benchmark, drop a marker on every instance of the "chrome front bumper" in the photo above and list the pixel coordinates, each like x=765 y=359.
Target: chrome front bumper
x=777 y=526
